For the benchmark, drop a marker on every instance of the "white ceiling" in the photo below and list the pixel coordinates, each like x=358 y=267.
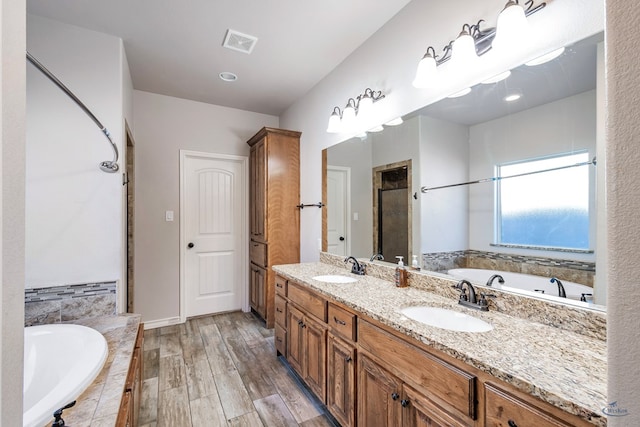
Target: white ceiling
x=175 y=47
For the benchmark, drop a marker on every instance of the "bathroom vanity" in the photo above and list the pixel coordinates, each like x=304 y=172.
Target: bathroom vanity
x=372 y=365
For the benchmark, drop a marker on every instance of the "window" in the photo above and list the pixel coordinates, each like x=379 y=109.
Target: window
x=547 y=209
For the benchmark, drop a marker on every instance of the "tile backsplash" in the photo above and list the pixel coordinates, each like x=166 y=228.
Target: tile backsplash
x=70 y=302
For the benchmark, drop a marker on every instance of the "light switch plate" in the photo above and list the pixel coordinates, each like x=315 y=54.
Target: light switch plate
x=168 y=216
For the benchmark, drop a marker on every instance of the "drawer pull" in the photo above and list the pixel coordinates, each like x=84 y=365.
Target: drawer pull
x=279 y=339
x=512 y=423
x=348 y=359
x=338 y=321
x=395 y=396
x=278 y=285
x=405 y=403
x=279 y=310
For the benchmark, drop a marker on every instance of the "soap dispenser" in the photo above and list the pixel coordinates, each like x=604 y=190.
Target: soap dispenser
x=401 y=274
x=414 y=263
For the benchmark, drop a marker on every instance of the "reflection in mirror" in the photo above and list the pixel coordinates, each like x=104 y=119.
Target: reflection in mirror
x=549 y=232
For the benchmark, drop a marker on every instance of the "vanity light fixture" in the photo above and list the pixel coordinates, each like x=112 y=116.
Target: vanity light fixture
x=546 y=57
x=358 y=109
x=473 y=42
x=497 y=78
x=460 y=93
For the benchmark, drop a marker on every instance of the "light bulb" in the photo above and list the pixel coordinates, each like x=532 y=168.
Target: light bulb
x=464 y=50
x=426 y=72
x=349 y=117
x=512 y=28
x=365 y=106
x=334 y=122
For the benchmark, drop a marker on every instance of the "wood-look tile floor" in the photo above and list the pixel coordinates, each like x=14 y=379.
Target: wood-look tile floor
x=221 y=370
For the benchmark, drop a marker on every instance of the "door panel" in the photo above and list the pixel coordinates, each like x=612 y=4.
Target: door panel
x=213 y=209
x=337 y=211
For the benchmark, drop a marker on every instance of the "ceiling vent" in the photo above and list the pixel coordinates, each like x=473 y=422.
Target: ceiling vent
x=238 y=41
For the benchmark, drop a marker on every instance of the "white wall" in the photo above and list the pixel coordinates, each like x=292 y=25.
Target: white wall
x=356 y=155
x=569 y=125
x=12 y=159
x=387 y=62
x=623 y=205
x=163 y=126
x=444 y=149
x=73 y=209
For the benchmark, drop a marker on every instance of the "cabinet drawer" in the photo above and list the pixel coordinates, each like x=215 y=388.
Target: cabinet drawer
x=281 y=311
x=443 y=382
x=258 y=253
x=342 y=322
x=281 y=286
x=280 y=338
x=310 y=302
x=504 y=409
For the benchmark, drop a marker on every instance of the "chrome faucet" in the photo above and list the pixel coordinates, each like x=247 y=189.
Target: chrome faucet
x=376 y=256
x=472 y=300
x=561 y=291
x=494 y=277
x=357 y=268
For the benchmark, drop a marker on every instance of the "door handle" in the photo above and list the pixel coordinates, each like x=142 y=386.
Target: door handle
x=341 y=238
x=190 y=245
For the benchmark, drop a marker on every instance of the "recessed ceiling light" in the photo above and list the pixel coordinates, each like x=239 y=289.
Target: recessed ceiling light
x=513 y=97
x=463 y=92
x=497 y=78
x=228 y=76
x=395 y=122
x=546 y=57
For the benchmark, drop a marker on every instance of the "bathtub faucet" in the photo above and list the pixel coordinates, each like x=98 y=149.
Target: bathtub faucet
x=57 y=415
x=494 y=277
x=561 y=291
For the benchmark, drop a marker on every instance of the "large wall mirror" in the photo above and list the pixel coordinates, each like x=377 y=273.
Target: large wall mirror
x=543 y=224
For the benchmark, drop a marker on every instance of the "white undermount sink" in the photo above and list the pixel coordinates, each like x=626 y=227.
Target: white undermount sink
x=335 y=278
x=446 y=319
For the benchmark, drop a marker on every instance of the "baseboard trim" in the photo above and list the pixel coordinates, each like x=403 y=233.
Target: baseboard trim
x=153 y=324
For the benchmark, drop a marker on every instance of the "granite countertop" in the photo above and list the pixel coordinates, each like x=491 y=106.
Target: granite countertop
x=99 y=404
x=565 y=369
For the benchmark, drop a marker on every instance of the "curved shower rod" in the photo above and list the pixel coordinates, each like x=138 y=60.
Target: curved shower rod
x=109 y=166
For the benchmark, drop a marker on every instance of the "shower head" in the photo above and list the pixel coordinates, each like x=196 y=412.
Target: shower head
x=109 y=167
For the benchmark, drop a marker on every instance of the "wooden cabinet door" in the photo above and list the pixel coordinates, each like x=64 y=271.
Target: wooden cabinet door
x=257 y=285
x=418 y=411
x=315 y=360
x=341 y=377
x=257 y=190
x=295 y=339
x=379 y=395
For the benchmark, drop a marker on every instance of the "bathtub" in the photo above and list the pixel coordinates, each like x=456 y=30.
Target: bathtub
x=60 y=362
x=524 y=282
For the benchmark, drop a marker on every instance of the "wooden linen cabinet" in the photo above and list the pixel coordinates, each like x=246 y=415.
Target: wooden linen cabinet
x=274 y=218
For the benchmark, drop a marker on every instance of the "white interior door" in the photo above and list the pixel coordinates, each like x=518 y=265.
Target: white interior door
x=213 y=237
x=338 y=230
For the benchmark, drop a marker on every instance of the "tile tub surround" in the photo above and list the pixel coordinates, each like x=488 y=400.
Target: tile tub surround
x=99 y=404
x=565 y=369
x=71 y=302
x=565 y=316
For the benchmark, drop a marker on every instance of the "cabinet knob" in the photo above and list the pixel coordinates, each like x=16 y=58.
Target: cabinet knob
x=395 y=396
x=512 y=423
x=404 y=403
x=348 y=359
x=341 y=239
